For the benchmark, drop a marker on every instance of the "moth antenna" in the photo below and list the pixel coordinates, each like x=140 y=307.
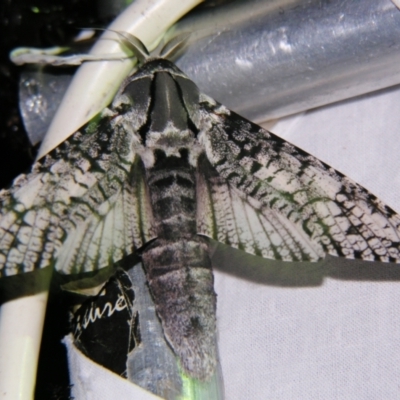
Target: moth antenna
x=175 y=47
x=134 y=44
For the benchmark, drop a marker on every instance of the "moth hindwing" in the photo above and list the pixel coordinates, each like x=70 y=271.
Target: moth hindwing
x=164 y=170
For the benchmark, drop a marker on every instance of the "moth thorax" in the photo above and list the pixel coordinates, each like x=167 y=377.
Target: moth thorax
x=172 y=141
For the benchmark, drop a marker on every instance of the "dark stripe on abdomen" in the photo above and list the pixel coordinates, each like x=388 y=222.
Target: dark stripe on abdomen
x=173 y=199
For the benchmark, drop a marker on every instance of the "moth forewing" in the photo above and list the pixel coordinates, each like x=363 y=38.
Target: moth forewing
x=303 y=190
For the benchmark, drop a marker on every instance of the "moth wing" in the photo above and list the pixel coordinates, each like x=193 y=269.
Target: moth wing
x=228 y=216
x=81 y=208
x=262 y=194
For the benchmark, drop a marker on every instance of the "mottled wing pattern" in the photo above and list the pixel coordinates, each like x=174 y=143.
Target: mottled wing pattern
x=229 y=216
x=270 y=198
x=83 y=207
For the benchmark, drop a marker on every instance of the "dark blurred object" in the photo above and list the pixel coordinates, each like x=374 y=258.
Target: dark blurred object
x=104 y=327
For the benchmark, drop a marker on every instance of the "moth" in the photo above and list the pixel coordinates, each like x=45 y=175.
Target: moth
x=162 y=171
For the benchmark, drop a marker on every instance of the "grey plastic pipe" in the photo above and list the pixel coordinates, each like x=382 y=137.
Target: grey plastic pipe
x=267 y=59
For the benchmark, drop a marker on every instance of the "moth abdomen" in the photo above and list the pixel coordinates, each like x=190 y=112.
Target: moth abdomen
x=166 y=256
x=173 y=198
x=181 y=282
x=178 y=267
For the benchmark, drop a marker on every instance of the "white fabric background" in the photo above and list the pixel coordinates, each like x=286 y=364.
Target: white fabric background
x=91 y=381
x=339 y=340
x=286 y=332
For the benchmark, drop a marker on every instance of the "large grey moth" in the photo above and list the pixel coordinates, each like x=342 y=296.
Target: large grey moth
x=161 y=171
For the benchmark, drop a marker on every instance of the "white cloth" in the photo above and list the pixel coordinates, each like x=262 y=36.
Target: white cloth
x=321 y=338
x=339 y=340
x=91 y=381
